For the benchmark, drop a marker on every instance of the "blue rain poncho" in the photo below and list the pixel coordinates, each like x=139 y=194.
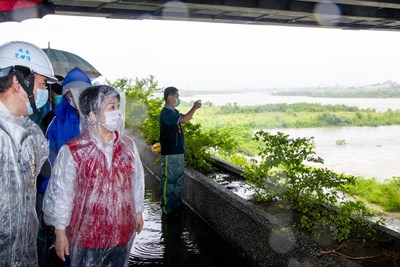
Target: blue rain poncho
x=23 y=152
x=97 y=185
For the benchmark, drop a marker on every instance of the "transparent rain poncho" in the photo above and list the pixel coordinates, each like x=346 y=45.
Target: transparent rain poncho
x=23 y=151
x=97 y=184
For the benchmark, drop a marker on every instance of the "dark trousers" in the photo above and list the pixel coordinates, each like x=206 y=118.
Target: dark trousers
x=43 y=243
x=172 y=168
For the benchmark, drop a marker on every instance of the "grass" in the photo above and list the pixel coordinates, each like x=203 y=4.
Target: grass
x=292 y=119
x=253 y=120
x=386 y=195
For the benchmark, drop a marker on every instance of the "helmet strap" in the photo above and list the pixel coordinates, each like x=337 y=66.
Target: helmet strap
x=28 y=89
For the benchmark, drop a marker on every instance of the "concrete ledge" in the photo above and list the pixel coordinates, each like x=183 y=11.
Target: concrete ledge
x=265 y=239
x=227 y=166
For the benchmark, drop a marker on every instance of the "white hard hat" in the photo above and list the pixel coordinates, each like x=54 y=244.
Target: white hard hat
x=26 y=54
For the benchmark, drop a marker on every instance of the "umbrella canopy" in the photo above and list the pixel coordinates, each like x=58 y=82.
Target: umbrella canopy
x=18 y=10
x=64 y=61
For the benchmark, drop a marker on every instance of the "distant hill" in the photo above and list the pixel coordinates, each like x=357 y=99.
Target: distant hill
x=388 y=89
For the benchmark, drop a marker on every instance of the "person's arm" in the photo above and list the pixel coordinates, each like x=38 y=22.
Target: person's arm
x=188 y=116
x=138 y=181
x=61 y=244
x=58 y=199
x=51 y=133
x=139 y=222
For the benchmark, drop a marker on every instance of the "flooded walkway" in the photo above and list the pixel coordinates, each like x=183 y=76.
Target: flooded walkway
x=179 y=241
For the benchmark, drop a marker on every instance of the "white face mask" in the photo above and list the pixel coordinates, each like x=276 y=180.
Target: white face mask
x=113 y=120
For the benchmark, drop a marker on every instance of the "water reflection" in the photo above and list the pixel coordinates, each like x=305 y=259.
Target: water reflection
x=148 y=248
x=182 y=239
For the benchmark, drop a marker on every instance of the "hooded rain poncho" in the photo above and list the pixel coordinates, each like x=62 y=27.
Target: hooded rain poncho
x=97 y=188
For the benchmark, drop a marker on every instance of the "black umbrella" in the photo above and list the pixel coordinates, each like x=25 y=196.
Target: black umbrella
x=64 y=61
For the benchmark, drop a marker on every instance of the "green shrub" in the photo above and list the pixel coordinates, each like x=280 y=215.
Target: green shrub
x=313 y=192
x=202 y=144
x=341 y=142
x=329 y=119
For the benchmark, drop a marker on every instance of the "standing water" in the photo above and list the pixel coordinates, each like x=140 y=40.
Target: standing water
x=179 y=240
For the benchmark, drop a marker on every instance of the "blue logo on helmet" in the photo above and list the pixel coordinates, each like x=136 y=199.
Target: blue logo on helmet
x=23 y=55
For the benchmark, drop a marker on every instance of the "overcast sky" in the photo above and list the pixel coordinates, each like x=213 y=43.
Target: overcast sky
x=196 y=56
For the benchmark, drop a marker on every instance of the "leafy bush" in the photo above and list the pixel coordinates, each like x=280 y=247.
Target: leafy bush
x=201 y=144
x=329 y=119
x=341 y=142
x=313 y=192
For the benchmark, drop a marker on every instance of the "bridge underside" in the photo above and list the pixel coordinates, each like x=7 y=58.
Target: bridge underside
x=344 y=14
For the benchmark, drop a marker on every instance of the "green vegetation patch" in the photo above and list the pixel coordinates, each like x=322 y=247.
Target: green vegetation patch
x=299 y=115
x=386 y=195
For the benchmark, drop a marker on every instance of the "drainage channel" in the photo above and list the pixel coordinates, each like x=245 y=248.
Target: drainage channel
x=179 y=240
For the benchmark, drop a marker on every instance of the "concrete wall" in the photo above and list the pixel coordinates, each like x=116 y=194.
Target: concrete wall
x=265 y=239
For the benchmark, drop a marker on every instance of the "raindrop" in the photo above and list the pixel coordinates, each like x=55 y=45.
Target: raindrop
x=295 y=263
x=327 y=13
x=175 y=9
x=282 y=240
x=21 y=14
x=322 y=234
x=149 y=251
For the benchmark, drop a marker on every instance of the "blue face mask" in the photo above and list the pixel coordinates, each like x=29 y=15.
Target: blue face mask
x=57 y=100
x=42 y=96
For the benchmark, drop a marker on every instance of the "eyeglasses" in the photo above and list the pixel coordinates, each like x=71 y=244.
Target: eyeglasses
x=5 y=71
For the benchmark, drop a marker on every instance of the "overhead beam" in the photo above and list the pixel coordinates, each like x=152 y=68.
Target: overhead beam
x=351 y=14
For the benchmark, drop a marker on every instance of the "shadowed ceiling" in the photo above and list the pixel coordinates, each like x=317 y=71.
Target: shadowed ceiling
x=344 y=14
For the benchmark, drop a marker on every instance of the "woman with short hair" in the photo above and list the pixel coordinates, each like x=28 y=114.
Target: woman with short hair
x=95 y=196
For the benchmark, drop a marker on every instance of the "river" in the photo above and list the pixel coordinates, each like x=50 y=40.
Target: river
x=368 y=151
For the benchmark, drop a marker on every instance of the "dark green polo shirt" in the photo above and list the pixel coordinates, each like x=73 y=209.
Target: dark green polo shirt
x=171 y=134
